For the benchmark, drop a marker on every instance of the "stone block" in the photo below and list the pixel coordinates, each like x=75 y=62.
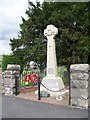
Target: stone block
x=79 y=76
x=89 y=102
x=9 y=80
x=8 y=91
x=79 y=67
x=8 y=76
x=82 y=84
x=8 y=72
x=83 y=103
x=79 y=93
x=13 y=67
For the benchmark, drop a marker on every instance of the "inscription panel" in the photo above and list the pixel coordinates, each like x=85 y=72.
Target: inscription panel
x=50 y=71
x=53 y=83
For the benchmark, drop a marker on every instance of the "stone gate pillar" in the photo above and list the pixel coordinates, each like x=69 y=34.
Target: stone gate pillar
x=80 y=78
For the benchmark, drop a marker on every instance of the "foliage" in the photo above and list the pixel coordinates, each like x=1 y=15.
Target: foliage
x=72 y=41
x=8 y=59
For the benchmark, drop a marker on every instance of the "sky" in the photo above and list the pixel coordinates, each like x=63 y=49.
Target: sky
x=10 y=19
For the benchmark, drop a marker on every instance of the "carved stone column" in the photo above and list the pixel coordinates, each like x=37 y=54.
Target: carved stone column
x=50 y=33
x=52 y=81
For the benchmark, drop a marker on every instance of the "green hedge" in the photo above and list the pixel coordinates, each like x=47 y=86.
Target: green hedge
x=8 y=59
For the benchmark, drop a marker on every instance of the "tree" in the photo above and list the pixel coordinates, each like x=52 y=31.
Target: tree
x=72 y=41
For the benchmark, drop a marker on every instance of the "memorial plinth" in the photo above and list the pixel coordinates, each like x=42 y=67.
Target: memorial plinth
x=51 y=81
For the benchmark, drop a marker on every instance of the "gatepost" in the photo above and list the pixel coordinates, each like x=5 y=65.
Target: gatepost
x=80 y=77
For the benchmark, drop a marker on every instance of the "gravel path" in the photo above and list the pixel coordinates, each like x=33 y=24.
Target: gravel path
x=30 y=95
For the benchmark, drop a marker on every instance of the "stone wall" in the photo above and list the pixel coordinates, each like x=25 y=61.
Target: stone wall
x=80 y=77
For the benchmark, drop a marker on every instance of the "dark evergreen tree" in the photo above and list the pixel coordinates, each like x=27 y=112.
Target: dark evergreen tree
x=72 y=41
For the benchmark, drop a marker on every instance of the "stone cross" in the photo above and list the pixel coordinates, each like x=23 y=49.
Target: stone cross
x=50 y=33
x=51 y=80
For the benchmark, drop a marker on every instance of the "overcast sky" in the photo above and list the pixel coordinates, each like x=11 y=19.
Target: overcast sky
x=10 y=18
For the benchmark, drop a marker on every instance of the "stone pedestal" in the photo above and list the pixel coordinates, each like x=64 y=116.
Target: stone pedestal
x=51 y=81
x=53 y=84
